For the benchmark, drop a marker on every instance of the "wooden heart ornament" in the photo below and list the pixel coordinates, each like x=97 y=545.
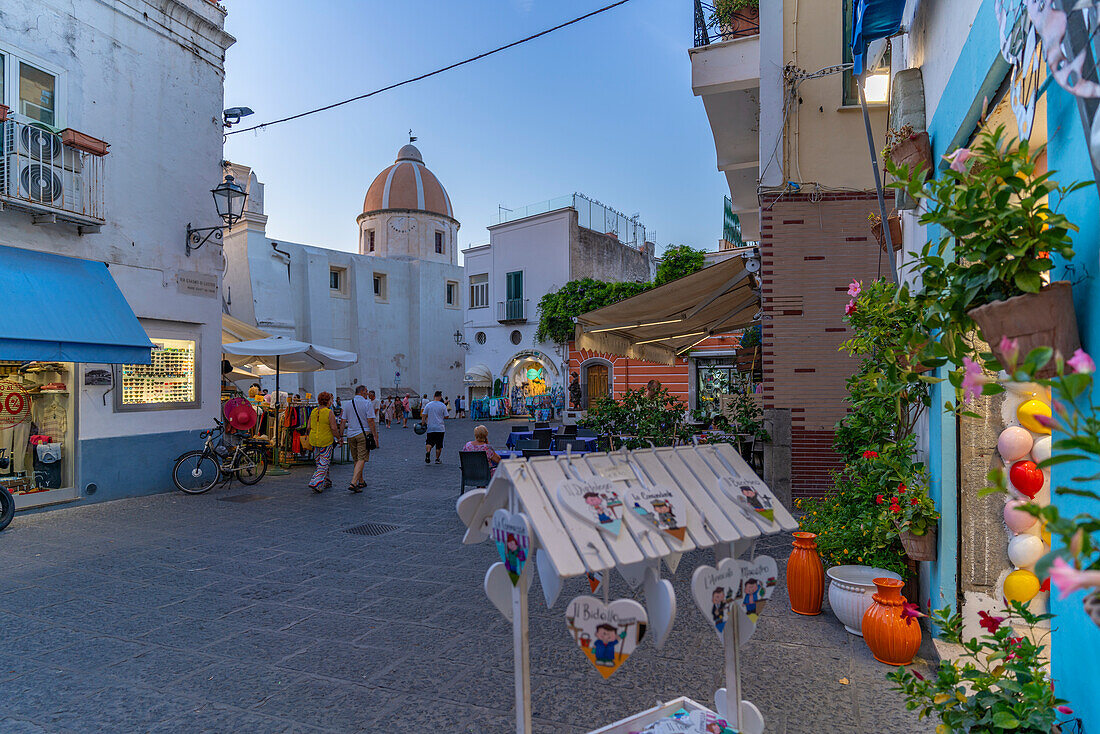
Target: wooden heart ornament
x=715 y=591
x=758 y=581
x=664 y=508
x=752 y=497
x=607 y=634
x=595 y=501
x=498 y=588
x=512 y=535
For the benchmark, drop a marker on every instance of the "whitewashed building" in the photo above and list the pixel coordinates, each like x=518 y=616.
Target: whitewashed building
x=531 y=252
x=97 y=276
x=397 y=303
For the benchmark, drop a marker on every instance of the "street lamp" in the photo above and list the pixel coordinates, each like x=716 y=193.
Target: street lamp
x=460 y=341
x=229 y=200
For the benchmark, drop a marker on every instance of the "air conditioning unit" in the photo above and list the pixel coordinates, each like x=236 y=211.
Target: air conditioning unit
x=36 y=143
x=40 y=182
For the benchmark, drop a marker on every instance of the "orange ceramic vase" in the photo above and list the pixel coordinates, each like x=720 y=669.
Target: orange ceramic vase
x=805 y=576
x=893 y=639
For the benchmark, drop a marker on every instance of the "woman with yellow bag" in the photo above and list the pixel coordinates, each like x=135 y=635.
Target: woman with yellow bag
x=324 y=432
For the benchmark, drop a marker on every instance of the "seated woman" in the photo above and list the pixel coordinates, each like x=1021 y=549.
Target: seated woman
x=481 y=443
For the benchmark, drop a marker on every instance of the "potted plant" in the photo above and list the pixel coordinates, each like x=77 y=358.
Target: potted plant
x=987 y=268
x=893 y=220
x=84 y=142
x=998 y=683
x=737 y=18
x=906 y=147
x=913 y=514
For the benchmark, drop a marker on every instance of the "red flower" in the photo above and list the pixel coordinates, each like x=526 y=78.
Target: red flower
x=989 y=622
x=893 y=500
x=901 y=489
x=910 y=612
x=870 y=454
x=914 y=501
x=895 y=508
x=917 y=675
x=879 y=499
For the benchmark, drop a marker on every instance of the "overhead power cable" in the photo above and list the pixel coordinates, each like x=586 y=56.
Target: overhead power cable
x=455 y=65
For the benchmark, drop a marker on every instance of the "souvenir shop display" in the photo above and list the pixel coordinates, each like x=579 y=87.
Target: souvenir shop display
x=632 y=512
x=36 y=442
x=168 y=379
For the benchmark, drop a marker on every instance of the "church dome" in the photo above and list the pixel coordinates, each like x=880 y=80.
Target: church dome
x=408 y=184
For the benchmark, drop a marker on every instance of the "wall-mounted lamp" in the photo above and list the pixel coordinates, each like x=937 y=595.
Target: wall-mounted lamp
x=461 y=341
x=229 y=199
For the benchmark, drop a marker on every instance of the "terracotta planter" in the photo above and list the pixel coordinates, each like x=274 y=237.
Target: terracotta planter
x=920 y=547
x=805 y=576
x=1043 y=319
x=741 y=24
x=81 y=141
x=893 y=639
x=895 y=233
x=916 y=152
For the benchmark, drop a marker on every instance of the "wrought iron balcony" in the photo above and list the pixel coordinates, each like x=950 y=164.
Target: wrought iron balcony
x=53 y=176
x=710 y=30
x=512 y=310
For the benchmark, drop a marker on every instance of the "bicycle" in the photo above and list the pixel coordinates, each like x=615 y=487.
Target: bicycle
x=198 y=471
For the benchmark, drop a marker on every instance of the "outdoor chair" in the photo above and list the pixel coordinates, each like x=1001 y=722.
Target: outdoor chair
x=475 y=469
x=530 y=453
x=583 y=432
x=562 y=442
x=544 y=436
x=541 y=424
x=570 y=430
x=527 y=443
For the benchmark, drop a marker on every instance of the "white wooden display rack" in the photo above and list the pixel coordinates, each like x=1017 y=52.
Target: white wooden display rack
x=564 y=546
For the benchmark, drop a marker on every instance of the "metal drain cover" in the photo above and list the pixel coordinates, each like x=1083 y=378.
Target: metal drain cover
x=244 y=498
x=373 y=528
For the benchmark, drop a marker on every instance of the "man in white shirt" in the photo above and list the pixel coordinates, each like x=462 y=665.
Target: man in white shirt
x=375 y=404
x=361 y=423
x=433 y=415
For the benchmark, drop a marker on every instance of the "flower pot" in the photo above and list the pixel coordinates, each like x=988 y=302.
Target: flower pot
x=920 y=547
x=850 y=590
x=805 y=576
x=916 y=152
x=892 y=638
x=81 y=141
x=895 y=233
x=741 y=24
x=1043 y=319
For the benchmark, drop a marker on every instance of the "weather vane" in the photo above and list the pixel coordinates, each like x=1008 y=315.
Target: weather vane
x=412 y=138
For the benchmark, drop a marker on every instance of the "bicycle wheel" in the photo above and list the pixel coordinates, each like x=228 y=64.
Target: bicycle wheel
x=195 y=472
x=254 y=466
x=7 y=508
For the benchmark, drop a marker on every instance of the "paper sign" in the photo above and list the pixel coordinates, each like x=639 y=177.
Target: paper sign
x=513 y=538
x=607 y=634
x=594 y=501
x=664 y=508
x=620 y=473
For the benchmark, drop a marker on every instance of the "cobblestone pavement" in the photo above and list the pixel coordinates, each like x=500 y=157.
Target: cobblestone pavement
x=174 y=613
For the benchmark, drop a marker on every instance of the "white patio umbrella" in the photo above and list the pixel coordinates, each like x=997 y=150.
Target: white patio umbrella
x=283 y=353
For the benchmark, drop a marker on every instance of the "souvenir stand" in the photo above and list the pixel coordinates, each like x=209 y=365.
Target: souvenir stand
x=586 y=515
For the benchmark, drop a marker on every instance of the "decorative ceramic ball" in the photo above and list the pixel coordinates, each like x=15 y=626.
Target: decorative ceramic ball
x=1021 y=585
x=1040 y=450
x=1045 y=535
x=1014 y=443
x=1026 y=390
x=1025 y=550
x=1026 y=415
x=1016 y=519
x=1026 y=478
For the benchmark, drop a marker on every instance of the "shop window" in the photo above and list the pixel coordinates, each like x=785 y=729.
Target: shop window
x=452 y=294
x=37 y=465
x=170 y=381
x=380 y=290
x=479 y=290
x=439 y=243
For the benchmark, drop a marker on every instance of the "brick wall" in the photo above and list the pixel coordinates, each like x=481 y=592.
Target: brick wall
x=810 y=250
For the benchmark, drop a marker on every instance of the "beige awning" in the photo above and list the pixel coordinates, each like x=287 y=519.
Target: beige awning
x=668 y=321
x=479 y=375
x=235 y=330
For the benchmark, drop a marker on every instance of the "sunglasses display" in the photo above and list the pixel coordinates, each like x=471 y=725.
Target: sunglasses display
x=170 y=378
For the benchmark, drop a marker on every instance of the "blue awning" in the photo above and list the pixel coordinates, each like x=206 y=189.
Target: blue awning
x=62 y=309
x=872 y=20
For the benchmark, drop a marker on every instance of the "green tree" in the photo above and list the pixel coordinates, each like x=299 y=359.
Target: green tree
x=557 y=309
x=677 y=262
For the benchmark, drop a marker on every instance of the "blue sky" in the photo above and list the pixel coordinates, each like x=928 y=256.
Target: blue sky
x=603 y=107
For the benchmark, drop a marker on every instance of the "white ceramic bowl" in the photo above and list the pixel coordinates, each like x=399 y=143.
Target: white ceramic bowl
x=850 y=590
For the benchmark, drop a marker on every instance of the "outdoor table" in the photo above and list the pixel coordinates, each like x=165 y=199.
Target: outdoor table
x=519 y=454
x=590 y=441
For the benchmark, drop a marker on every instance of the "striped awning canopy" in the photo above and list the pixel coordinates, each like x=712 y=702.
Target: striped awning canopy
x=666 y=322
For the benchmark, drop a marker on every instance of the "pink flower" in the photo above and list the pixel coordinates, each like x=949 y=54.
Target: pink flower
x=850 y=308
x=973 y=379
x=910 y=612
x=917 y=675
x=989 y=622
x=1065 y=710
x=1010 y=349
x=1044 y=420
x=1081 y=362
x=959 y=158
x=1069 y=579
x=855 y=288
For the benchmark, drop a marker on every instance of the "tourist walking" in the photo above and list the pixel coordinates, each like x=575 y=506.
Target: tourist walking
x=375 y=404
x=460 y=406
x=387 y=407
x=481 y=443
x=433 y=414
x=406 y=409
x=361 y=435
x=324 y=432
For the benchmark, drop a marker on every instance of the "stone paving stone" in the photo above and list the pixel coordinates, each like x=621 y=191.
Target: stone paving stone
x=174 y=613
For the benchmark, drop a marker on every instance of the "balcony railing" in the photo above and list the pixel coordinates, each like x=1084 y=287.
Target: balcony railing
x=512 y=309
x=709 y=30
x=46 y=174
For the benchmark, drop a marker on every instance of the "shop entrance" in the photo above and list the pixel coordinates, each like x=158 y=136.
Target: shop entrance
x=596 y=382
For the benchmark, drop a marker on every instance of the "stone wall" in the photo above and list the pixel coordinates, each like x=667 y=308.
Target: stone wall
x=603 y=257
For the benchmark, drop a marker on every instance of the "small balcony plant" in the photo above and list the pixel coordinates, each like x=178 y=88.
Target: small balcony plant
x=907 y=147
x=737 y=18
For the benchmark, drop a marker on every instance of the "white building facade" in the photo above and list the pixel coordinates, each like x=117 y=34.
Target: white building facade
x=530 y=253
x=397 y=303
x=111 y=346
